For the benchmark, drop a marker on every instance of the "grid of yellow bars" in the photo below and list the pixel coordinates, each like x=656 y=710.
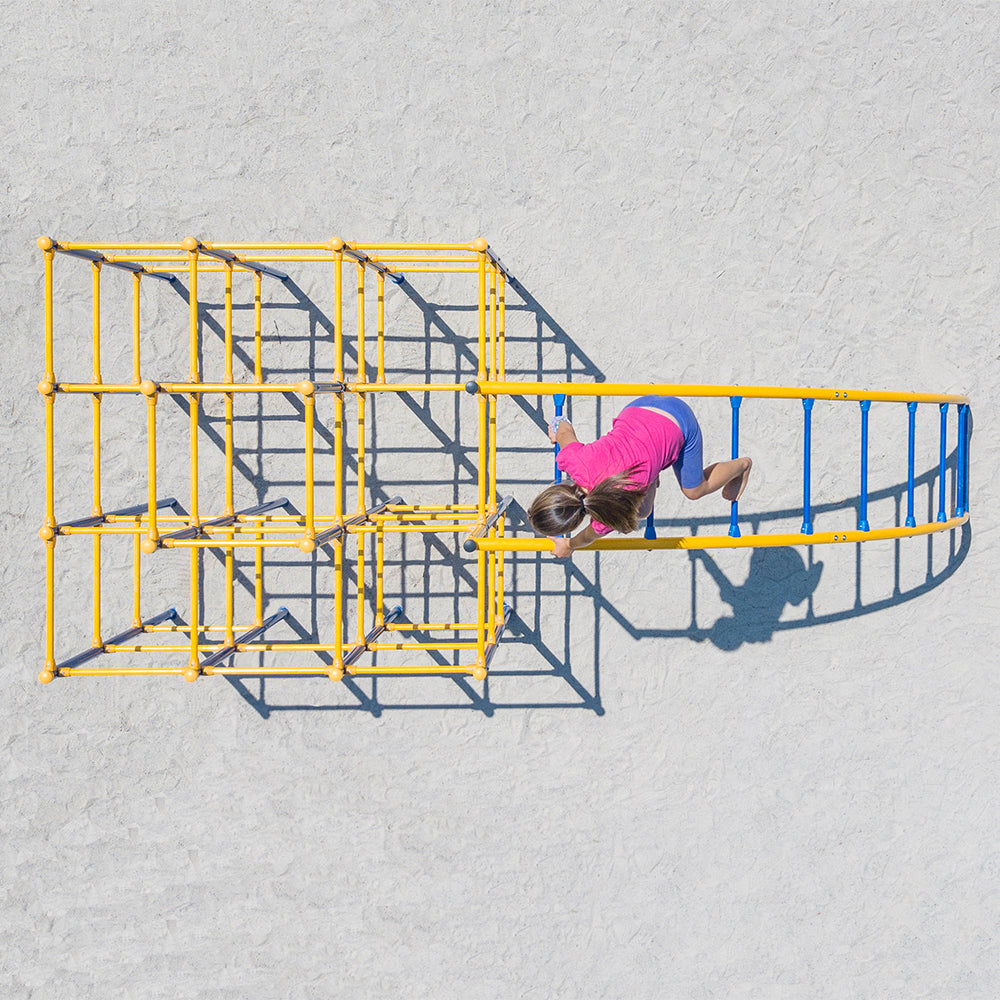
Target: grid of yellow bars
x=263 y=527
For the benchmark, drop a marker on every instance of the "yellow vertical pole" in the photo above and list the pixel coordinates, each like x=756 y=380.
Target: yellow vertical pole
x=379 y=575
x=491 y=453
x=501 y=333
x=136 y=362
x=149 y=390
x=193 y=669
x=500 y=581
x=136 y=380
x=337 y=667
x=47 y=533
x=136 y=582
x=380 y=374
x=96 y=397
x=258 y=377
x=309 y=402
x=480 y=246
x=502 y=374
x=49 y=671
x=362 y=377
x=227 y=378
x=258 y=373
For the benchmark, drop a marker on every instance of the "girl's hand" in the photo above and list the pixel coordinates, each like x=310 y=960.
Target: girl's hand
x=562 y=548
x=554 y=427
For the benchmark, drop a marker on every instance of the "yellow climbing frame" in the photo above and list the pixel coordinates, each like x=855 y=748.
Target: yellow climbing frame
x=264 y=528
x=355 y=632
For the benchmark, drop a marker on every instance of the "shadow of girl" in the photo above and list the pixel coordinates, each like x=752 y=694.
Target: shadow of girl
x=777 y=577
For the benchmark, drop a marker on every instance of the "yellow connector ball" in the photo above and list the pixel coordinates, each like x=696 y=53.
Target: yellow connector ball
x=148 y=546
x=46 y=534
x=306 y=388
x=479 y=673
x=46 y=388
x=335 y=244
x=44 y=243
x=307 y=545
x=46 y=677
x=336 y=674
x=190 y=673
x=190 y=243
x=480 y=244
x=148 y=387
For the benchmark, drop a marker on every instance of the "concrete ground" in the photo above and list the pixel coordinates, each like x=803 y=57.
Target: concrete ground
x=768 y=774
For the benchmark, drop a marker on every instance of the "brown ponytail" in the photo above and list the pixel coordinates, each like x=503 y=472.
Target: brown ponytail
x=614 y=501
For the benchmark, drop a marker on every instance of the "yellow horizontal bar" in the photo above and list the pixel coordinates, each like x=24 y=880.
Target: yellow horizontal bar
x=408 y=508
x=410 y=246
x=429 y=669
x=189 y=387
x=407 y=387
x=421 y=645
x=403 y=259
x=94 y=387
x=746 y=391
x=186 y=648
x=219 y=543
x=317 y=671
x=429 y=626
x=202 y=268
x=465 y=517
x=406 y=529
x=723 y=541
x=181 y=387
x=302 y=647
x=434 y=270
x=119 y=246
x=102 y=529
x=201 y=628
x=118 y=671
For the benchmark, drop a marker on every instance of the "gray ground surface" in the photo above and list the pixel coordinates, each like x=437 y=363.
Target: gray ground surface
x=725 y=777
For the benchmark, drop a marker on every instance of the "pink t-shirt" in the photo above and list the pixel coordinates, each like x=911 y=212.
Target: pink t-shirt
x=650 y=441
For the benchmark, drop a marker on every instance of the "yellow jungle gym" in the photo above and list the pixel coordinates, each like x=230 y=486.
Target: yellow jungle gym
x=344 y=530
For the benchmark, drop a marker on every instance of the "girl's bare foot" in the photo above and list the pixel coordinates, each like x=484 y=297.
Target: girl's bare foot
x=733 y=490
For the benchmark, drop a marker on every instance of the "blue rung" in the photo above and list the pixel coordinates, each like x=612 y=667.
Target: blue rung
x=911 y=447
x=965 y=463
x=807 y=408
x=650 y=531
x=961 y=470
x=734 y=402
x=866 y=405
x=942 y=461
x=559 y=398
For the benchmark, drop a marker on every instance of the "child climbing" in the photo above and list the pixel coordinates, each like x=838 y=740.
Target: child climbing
x=615 y=478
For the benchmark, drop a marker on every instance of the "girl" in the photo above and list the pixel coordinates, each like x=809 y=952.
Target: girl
x=615 y=478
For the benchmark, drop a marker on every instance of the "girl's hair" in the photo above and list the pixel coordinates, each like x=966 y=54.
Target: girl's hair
x=614 y=501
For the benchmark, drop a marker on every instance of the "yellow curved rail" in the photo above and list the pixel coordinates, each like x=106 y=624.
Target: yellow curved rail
x=722 y=541
x=492 y=388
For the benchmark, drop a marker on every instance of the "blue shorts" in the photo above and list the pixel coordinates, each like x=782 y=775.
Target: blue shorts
x=689 y=467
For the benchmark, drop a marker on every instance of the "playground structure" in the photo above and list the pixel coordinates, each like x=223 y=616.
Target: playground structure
x=354 y=535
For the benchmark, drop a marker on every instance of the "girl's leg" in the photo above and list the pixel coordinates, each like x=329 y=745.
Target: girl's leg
x=730 y=477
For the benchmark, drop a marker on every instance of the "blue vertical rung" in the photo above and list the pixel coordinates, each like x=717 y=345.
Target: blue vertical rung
x=961 y=457
x=910 y=449
x=650 y=531
x=866 y=405
x=807 y=525
x=559 y=398
x=942 y=461
x=734 y=527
